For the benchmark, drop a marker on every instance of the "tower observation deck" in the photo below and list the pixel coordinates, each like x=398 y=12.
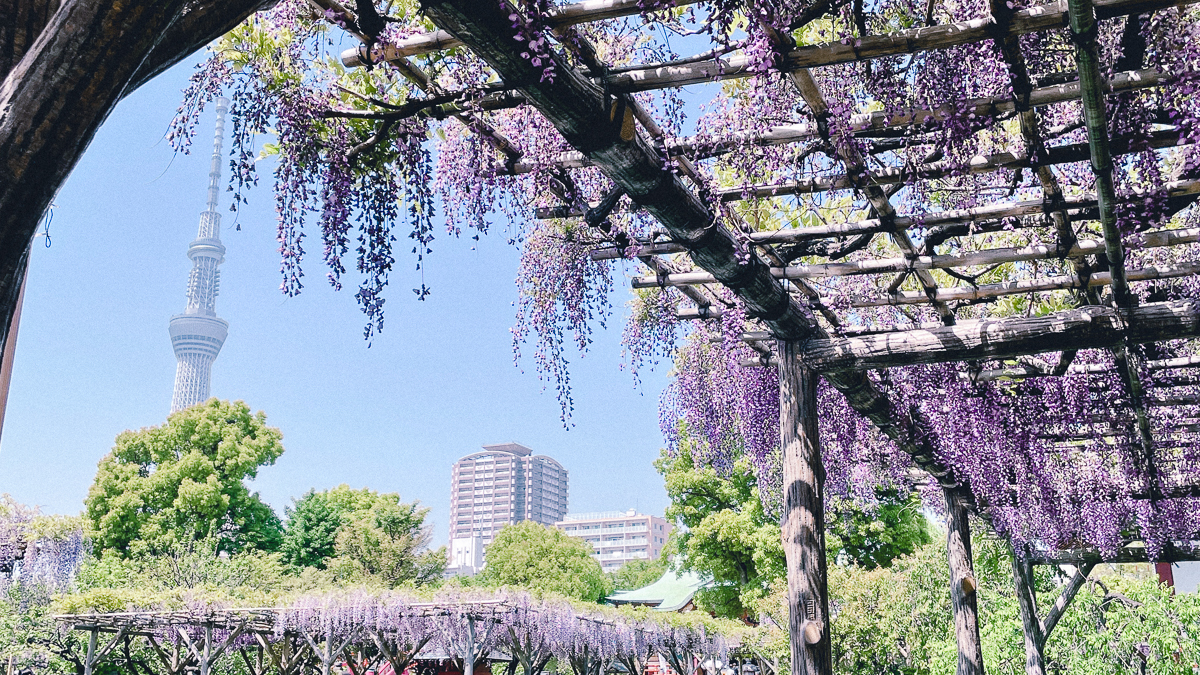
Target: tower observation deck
x=198 y=334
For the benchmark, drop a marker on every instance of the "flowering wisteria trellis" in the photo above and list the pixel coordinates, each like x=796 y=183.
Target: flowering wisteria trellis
x=360 y=632
x=899 y=164
x=973 y=220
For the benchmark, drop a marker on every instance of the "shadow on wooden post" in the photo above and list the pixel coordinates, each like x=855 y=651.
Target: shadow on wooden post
x=963 y=586
x=803 y=515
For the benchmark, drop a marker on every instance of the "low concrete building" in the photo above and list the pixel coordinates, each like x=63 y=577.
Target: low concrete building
x=618 y=536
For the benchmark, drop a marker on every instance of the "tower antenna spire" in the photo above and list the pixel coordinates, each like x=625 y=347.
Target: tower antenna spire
x=198 y=334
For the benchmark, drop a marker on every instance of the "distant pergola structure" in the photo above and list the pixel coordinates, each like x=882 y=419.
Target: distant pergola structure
x=704 y=250
x=194 y=640
x=356 y=633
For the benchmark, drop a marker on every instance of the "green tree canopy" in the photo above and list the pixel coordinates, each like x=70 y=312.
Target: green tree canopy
x=726 y=536
x=362 y=534
x=874 y=535
x=638 y=573
x=311 y=532
x=539 y=558
x=161 y=487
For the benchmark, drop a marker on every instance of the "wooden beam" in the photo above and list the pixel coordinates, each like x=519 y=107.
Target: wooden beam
x=1083 y=30
x=983 y=214
x=1057 y=283
x=1031 y=625
x=558 y=17
x=1063 y=154
x=963 y=585
x=864 y=123
x=985 y=258
x=985 y=291
x=1035 y=146
x=1175 y=552
x=1069 y=590
x=1084 y=328
x=1021 y=372
x=1041 y=17
x=803 y=515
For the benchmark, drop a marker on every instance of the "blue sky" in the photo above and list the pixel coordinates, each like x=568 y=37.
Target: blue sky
x=93 y=357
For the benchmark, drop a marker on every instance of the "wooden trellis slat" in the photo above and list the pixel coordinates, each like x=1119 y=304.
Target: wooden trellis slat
x=557 y=17
x=983 y=214
x=1183 y=551
x=985 y=257
x=1039 y=18
x=1039 y=285
x=1091 y=327
x=998 y=290
x=1026 y=371
x=1083 y=27
x=701 y=147
x=981 y=164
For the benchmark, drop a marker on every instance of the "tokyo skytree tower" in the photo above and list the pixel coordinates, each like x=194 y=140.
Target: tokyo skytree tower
x=198 y=334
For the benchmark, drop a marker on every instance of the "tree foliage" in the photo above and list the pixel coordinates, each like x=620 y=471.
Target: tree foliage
x=162 y=487
x=898 y=619
x=638 y=573
x=873 y=535
x=543 y=559
x=728 y=536
x=362 y=534
x=311 y=530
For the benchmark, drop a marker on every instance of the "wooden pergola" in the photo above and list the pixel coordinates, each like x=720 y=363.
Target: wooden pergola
x=354 y=634
x=799 y=331
x=195 y=640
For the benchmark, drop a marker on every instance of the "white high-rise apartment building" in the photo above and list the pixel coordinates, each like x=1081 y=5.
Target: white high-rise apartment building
x=504 y=484
x=618 y=536
x=198 y=334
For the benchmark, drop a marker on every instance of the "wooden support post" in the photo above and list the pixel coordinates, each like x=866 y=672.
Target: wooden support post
x=10 y=346
x=803 y=515
x=206 y=655
x=1031 y=625
x=90 y=659
x=468 y=658
x=963 y=586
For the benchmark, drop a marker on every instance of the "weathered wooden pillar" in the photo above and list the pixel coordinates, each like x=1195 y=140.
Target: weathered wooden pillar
x=1031 y=625
x=206 y=654
x=90 y=659
x=803 y=515
x=468 y=659
x=962 y=586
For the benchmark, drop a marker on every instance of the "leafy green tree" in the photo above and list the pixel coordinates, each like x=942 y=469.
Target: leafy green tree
x=311 y=532
x=638 y=573
x=362 y=534
x=161 y=487
x=874 y=535
x=539 y=558
x=389 y=542
x=727 y=536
